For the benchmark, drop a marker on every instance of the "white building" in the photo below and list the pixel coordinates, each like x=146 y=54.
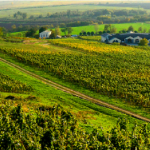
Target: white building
x=45 y=34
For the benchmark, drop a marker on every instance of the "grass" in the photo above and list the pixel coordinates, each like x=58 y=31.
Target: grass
x=90 y=28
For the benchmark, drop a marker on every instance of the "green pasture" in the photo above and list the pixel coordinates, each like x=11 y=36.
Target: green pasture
x=90 y=28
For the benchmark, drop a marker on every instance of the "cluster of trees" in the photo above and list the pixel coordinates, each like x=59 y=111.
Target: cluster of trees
x=97 y=12
x=20 y=14
x=108 y=28
x=81 y=18
x=3 y=32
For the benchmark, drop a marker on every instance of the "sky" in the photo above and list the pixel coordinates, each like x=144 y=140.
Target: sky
x=73 y=0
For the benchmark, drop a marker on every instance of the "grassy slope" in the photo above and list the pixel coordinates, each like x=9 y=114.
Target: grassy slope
x=84 y=111
x=113 y=101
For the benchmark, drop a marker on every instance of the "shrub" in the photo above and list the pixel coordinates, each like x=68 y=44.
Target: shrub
x=144 y=42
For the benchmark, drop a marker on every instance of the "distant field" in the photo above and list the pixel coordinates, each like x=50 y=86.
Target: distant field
x=77 y=30
x=22 y=4
x=90 y=28
x=52 y=9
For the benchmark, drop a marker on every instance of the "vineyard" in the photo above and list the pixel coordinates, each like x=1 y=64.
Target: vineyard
x=91 y=38
x=55 y=128
x=121 y=72
x=8 y=84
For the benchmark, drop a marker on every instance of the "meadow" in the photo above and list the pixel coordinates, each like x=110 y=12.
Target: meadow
x=119 y=27
x=90 y=28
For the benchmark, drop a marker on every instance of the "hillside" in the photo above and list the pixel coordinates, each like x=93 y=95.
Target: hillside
x=111 y=73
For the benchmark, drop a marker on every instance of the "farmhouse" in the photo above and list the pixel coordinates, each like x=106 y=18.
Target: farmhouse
x=45 y=34
x=128 y=38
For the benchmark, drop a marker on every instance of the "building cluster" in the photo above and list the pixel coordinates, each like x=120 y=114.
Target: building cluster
x=128 y=38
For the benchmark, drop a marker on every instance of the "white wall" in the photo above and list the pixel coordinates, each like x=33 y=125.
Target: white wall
x=45 y=35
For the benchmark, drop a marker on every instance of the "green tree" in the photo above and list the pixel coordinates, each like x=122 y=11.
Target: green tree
x=113 y=30
x=24 y=15
x=131 y=28
x=62 y=25
x=57 y=31
x=144 y=30
x=69 y=29
x=96 y=27
x=140 y=29
x=64 y=30
x=31 y=32
x=13 y=27
x=48 y=14
x=107 y=27
x=144 y=42
x=1 y=31
x=53 y=35
x=31 y=17
x=42 y=29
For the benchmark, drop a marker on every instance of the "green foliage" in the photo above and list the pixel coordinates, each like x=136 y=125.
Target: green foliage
x=144 y=42
x=131 y=28
x=53 y=34
x=1 y=31
x=9 y=85
x=42 y=29
x=55 y=128
x=31 y=32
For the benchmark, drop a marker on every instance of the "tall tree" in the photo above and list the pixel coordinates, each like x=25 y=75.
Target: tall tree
x=131 y=28
x=53 y=35
x=1 y=31
x=64 y=30
x=31 y=32
x=42 y=29
x=140 y=29
x=24 y=15
x=96 y=27
x=113 y=30
x=69 y=29
x=144 y=30
x=57 y=31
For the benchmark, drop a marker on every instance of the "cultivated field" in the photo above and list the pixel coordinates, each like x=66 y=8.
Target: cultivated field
x=105 y=69
x=98 y=70
x=38 y=10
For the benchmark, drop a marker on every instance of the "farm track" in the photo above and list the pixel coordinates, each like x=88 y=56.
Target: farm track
x=75 y=93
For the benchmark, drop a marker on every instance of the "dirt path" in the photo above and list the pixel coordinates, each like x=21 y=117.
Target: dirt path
x=75 y=93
